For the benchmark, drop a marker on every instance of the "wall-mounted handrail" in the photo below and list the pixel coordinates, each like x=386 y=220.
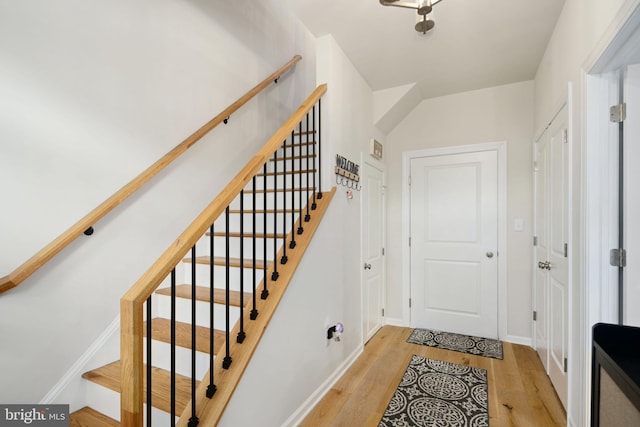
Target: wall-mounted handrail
x=30 y=266
x=131 y=304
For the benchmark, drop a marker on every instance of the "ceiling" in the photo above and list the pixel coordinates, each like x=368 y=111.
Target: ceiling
x=475 y=44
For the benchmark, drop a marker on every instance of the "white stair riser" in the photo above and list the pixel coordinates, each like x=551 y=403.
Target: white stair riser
x=107 y=402
x=183 y=312
x=295 y=180
x=219 y=276
x=291 y=201
x=161 y=358
x=234 y=221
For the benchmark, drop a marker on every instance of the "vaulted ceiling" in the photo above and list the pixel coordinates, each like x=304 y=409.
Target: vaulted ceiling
x=475 y=43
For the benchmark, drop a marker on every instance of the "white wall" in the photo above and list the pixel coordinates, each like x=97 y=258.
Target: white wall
x=294 y=360
x=502 y=113
x=580 y=28
x=92 y=93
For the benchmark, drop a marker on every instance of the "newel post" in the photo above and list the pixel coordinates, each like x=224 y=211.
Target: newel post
x=131 y=360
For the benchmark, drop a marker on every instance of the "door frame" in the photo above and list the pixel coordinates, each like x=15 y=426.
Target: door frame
x=501 y=150
x=600 y=189
x=370 y=162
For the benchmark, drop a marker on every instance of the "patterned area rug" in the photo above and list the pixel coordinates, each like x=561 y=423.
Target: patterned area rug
x=434 y=393
x=464 y=343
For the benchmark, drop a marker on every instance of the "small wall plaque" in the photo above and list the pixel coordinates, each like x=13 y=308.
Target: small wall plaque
x=375 y=149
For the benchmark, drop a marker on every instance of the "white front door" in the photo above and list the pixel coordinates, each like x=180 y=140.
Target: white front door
x=552 y=278
x=373 y=247
x=454 y=243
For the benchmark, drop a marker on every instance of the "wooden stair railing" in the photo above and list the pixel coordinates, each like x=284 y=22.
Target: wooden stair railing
x=206 y=402
x=30 y=266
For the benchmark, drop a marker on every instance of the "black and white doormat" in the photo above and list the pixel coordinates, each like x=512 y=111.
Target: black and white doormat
x=434 y=393
x=464 y=343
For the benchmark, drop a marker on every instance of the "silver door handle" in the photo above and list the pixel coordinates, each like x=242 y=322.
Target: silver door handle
x=367 y=266
x=544 y=265
x=489 y=254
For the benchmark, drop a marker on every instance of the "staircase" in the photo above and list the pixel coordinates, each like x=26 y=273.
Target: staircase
x=208 y=314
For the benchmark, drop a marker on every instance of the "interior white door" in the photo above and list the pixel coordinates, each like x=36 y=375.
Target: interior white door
x=552 y=279
x=542 y=248
x=454 y=238
x=631 y=197
x=373 y=248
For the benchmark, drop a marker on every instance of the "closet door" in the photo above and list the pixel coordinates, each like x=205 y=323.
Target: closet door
x=552 y=279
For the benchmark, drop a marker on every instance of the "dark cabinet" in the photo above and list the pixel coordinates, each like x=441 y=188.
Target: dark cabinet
x=615 y=375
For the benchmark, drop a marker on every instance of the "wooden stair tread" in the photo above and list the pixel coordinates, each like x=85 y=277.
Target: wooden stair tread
x=203 y=294
x=298 y=157
x=298 y=144
x=161 y=331
x=261 y=211
x=247 y=234
x=306 y=132
x=286 y=173
x=109 y=376
x=279 y=190
x=220 y=260
x=88 y=417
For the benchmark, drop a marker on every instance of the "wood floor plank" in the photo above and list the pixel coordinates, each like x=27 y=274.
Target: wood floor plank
x=520 y=393
x=204 y=294
x=161 y=331
x=87 y=417
x=109 y=376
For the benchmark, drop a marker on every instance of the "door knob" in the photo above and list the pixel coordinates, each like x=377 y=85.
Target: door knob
x=489 y=254
x=367 y=266
x=544 y=265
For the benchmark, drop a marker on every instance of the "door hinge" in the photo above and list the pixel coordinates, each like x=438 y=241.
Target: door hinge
x=535 y=240
x=618 y=113
x=409 y=240
x=566 y=250
x=409 y=180
x=618 y=257
x=565 y=136
x=383 y=312
x=535 y=316
x=409 y=302
x=566 y=365
x=382 y=251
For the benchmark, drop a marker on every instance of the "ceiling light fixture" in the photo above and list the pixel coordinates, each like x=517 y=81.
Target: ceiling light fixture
x=423 y=7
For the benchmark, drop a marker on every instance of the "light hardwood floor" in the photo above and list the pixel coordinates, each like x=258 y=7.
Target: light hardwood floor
x=520 y=393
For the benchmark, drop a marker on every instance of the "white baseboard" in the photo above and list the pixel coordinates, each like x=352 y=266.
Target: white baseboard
x=77 y=368
x=395 y=322
x=514 y=339
x=306 y=407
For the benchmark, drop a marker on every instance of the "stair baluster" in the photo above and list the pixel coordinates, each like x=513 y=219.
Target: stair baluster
x=149 y=361
x=319 y=148
x=307 y=217
x=284 y=258
x=314 y=205
x=241 y=334
x=227 y=358
x=254 y=310
x=274 y=273
x=292 y=244
x=193 y=421
x=300 y=228
x=173 y=344
x=265 y=290
x=211 y=388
